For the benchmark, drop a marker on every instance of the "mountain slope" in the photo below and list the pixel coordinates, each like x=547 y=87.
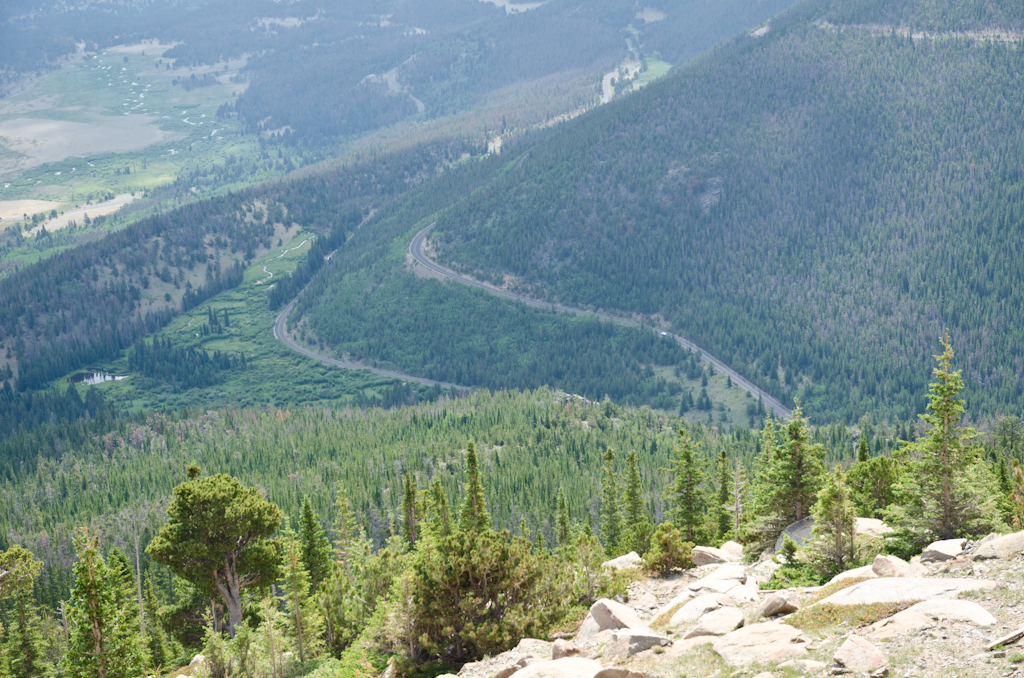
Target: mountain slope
x=814 y=206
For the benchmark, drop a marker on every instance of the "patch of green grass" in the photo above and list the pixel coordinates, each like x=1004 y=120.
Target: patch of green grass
x=660 y=623
x=1016 y=658
x=828 y=589
x=823 y=619
x=656 y=68
x=792 y=576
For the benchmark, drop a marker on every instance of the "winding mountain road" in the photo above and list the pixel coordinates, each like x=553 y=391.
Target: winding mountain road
x=416 y=250
x=281 y=334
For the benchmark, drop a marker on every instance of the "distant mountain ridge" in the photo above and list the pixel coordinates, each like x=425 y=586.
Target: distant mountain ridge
x=815 y=206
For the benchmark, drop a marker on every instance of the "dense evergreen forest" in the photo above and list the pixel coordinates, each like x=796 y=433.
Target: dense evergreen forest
x=814 y=206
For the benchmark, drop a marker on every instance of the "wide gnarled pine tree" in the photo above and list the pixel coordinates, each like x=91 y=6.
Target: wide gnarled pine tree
x=948 y=491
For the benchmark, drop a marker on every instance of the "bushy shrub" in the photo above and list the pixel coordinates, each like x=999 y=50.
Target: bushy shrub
x=668 y=550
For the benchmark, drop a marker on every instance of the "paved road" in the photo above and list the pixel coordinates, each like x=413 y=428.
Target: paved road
x=416 y=250
x=281 y=335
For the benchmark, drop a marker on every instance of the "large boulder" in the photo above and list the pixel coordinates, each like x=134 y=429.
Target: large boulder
x=892 y=590
x=1006 y=546
x=744 y=593
x=628 y=642
x=717 y=623
x=762 y=643
x=780 y=602
x=629 y=560
x=870 y=527
x=611 y=615
x=698 y=607
x=867 y=571
x=567 y=667
x=889 y=566
x=648 y=601
x=800 y=532
x=732 y=549
x=588 y=629
x=947 y=549
x=858 y=655
x=708 y=555
x=926 y=614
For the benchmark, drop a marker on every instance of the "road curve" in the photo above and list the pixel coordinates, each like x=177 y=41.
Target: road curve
x=416 y=250
x=281 y=335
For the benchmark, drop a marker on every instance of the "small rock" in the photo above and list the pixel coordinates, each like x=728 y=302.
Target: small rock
x=871 y=527
x=646 y=602
x=780 y=602
x=564 y=648
x=612 y=615
x=631 y=559
x=567 y=667
x=717 y=623
x=946 y=549
x=889 y=566
x=1006 y=546
x=857 y=572
x=197 y=660
x=534 y=647
x=708 y=555
x=804 y=665
x=628 y=642
x=858 y=655
x=698 y=607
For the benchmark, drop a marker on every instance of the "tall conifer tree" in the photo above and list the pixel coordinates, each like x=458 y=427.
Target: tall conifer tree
x=637 y=530
x=474 y=516
x=564 y=536
x=686 y=495
x=611 y=520
x=316 y=550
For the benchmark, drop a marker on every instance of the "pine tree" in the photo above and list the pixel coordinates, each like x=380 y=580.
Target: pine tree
x=831 y=547
x=26 y=646
x=159 y=651
x=722 y=521
x=305 y=621
x=408 y=509
x=739 y=495
x=611 y=520
x=564 y=537
x=474 y=516
x=862 y=450
x=101 y=644
x=440 y=515
x=346 y=531
x=637 y=530
x=686 y=496
x=948 y=490
x=316 y=550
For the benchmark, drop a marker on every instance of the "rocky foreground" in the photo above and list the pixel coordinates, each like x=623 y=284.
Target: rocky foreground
x=951 y=611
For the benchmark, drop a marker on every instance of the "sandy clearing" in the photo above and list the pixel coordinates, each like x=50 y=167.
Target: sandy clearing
x=154 y=49
x=45 y=141
x=78 y=215
x=650 y=15
x=16 y=209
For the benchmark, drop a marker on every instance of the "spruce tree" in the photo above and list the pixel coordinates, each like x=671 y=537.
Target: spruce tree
x=722 y=521
x=637 y=530
x=408 y=509
x=686 y=496
x=440 y=515
x=564 y=537
x=159 y=652
x=862 y=450
x=739 y=495
x=101 y=644
x=948 y=490
x=831 y=547
x=474 y=516
x=305 y=621
x=611 y=520
x=316 y=550
x=26 y=646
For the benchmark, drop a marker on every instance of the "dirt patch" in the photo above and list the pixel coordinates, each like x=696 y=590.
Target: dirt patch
x=414 y=267
x=45 y=141
x=78 y=214
x=153 y=48
x=15 y=210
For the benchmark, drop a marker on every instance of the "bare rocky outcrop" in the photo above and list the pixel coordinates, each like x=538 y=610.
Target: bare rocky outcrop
x=889 y=566
x=947 y=549
x=629 y=560
x=898 y=590
x=780 y=602
x=1005 y=546
x=717 y=623
x=761 y=643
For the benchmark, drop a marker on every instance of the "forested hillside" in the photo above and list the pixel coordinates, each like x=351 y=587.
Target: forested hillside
x=814 y=206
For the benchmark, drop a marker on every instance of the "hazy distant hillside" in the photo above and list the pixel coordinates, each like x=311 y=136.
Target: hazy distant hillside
x=815 y=206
